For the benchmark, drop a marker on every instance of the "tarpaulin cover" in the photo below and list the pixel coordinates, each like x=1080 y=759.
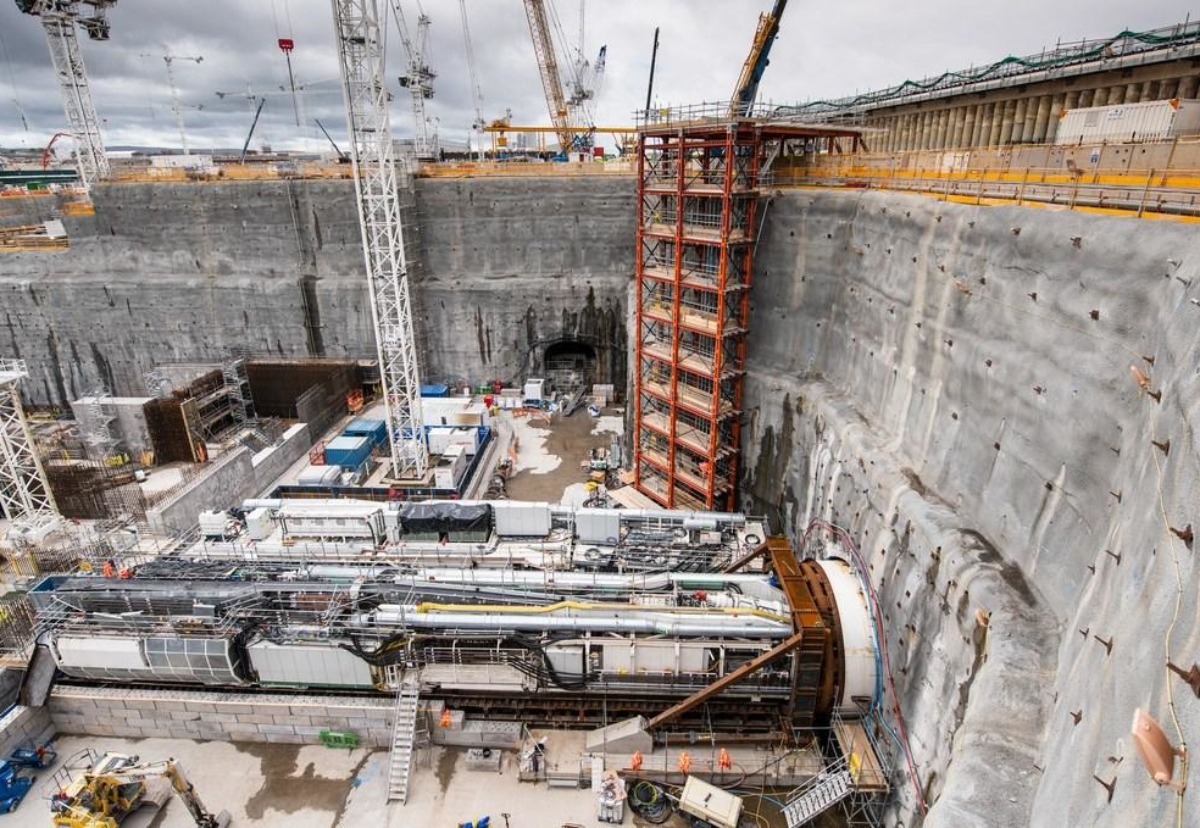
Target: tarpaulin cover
x=446 y=517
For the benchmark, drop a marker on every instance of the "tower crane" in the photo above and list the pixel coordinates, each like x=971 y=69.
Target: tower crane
x=476 y=92
x=574 y=106
x=176 y=103
x=418 y=79
x=25 y=494
x=543 y=49
x=59 y=18
x=361 y=59
x=756 y=62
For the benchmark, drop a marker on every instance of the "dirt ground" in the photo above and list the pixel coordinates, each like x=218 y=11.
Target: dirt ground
x=570 y=439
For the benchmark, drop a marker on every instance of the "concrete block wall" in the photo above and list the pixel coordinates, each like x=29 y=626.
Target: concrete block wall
x=232 y=478
x=24 y=724
x=218 y=716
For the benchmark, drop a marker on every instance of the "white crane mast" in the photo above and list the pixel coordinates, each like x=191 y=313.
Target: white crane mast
x=418 y=79
x=24 y=493
x=59 y=18
x=176 y=103
x=360 y=49
x=476 y=92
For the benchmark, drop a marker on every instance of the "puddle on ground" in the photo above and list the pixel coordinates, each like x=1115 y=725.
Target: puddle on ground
x=282 y=790
x=445 y=768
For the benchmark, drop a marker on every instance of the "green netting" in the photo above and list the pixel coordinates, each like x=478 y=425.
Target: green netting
x=1124 y=43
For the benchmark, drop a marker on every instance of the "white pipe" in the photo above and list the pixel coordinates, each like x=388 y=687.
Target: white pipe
x=740 y=627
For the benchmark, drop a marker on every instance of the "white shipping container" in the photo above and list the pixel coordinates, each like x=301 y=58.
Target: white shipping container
x=259 y=524
x=101 y=653
x=1146 y=121
x=308 y=666
x=522 y=520
x=535 y=389
x=319 y=475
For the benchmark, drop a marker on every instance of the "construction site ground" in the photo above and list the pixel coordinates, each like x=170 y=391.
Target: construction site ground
x=310 y=786
x=552 y=450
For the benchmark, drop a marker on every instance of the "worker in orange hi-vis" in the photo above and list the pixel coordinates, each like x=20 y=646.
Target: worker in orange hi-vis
x=446 y=721
x=110 y=570
x=723 y=760
x=685 y=762
x=636 y=762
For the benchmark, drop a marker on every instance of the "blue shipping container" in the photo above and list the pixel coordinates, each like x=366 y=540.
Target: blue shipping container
x=347 y=452
x=435 y=390
x=373 y=430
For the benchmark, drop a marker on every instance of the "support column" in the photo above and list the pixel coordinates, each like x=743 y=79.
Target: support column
x=1031 y=105
x=1058 y=104
x=943 y=130
x=969 y=127
x=1042 y=120
x=1168 y=88
x=1018 y=121
x=1006 y=122
x=1133 y=93
x=1187 y=86
x=1100 y=96
x=926 y=131
x=1150 y=90
x=954 y=133
x=996 y=117
x=1116 y=95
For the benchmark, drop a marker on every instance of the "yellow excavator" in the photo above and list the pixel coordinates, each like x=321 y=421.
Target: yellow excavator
x=116 y=785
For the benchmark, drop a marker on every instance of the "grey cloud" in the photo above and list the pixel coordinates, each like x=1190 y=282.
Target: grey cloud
x=824 y=50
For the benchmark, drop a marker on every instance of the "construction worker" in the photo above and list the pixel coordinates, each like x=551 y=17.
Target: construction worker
x=723 y=760
x=685 y=762
x=635 y=763
x=110 y=569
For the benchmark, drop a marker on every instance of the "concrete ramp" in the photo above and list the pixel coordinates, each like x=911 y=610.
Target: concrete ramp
x=627 y=736
x=39 y=677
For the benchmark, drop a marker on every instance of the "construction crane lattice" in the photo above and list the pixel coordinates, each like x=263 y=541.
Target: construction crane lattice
x=360 y=48
x=24 y=493
x=59 y=19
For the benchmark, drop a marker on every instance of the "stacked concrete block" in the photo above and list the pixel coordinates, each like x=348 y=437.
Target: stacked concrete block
x=22 y=725
x=216 y=716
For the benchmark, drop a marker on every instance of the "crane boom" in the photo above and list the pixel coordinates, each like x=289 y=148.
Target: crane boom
x=418 y=78
x=756 y=62
x=59 y=18
x=361 y=59
x=476 y=92
x=543 y=48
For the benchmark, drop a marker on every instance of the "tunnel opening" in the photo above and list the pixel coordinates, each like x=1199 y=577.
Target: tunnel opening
x=570 y=364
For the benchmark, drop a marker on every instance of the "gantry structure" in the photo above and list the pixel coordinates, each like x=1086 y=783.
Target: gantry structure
x=699 y=179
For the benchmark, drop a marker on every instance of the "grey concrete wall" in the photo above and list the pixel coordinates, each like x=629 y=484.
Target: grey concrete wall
x=230 y=479
x=22 y=725
x=234 y=717
x=186 y=272
x=953 y=384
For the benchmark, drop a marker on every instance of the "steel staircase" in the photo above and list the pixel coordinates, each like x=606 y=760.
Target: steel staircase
x=818 y=795
x=404 y=742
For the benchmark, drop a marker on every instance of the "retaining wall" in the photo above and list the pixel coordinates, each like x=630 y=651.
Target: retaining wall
x=235 y=717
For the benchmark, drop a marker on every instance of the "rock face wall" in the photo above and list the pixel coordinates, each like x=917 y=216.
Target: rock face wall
x=951 y=383
x=954 y=385
x=187 y=272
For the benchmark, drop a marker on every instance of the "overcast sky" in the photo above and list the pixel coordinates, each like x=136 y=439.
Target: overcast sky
x=825 y=49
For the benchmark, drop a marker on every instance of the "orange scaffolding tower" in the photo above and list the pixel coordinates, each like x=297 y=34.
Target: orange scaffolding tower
x=698 y=183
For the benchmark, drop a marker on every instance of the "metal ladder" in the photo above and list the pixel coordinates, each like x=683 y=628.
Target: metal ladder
x=819 y=794
x=404 y=742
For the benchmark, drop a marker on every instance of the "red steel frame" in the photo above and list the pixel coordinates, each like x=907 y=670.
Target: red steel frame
x=703 y=177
